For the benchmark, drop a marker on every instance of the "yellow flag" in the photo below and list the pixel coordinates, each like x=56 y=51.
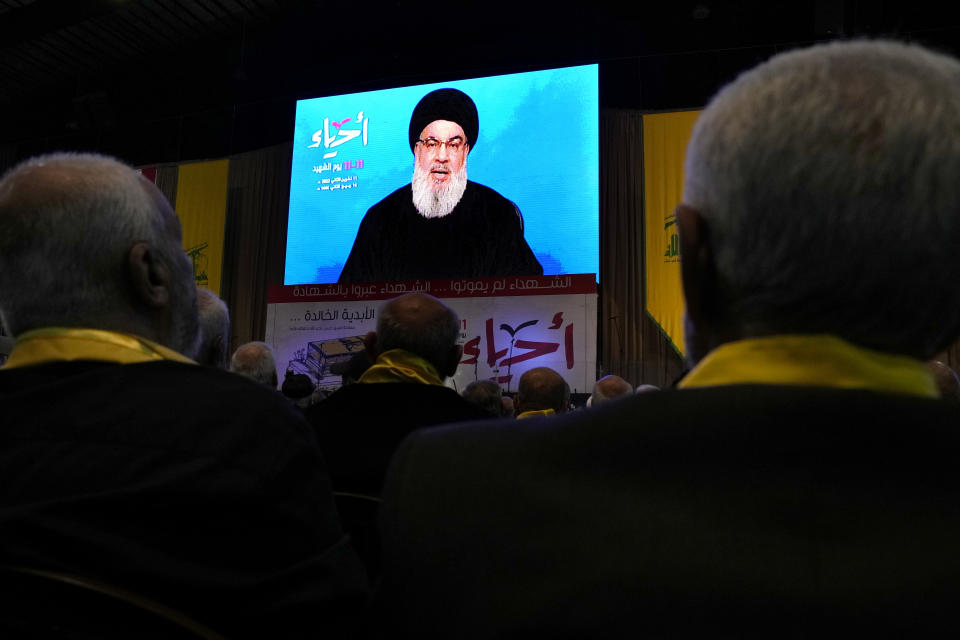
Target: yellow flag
x=665 y=137
x=202 y=207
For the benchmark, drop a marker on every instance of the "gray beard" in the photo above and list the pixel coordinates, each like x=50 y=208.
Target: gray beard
x=437 y=203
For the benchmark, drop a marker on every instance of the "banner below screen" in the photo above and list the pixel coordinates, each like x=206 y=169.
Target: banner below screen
x=508 y=325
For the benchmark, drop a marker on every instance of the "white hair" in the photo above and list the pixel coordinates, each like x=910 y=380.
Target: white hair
x=828 y=178
x=67 y=223
x=436 y=203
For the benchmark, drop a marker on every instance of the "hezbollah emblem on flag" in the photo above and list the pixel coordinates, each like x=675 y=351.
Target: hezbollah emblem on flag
x=672 y=254
x=200 y=260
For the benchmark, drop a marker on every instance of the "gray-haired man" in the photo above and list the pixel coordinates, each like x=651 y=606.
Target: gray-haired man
x=122 y=460
x=803 y=482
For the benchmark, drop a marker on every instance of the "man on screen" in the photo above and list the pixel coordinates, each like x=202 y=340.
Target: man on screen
x=441 y=225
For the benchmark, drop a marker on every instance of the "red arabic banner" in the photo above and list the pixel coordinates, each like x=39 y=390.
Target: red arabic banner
x=539 y=322
x=447 y=288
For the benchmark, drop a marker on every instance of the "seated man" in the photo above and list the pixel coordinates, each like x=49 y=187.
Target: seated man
x=609 y=388
x=542 y=392
x=487 y=395
x=123 y=461
x=254 y=360
x=360 y=425
x=803 y=481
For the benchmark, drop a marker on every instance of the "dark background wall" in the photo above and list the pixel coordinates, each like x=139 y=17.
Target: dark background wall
x=156 y=81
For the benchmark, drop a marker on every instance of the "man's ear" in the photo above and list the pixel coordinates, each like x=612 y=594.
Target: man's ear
x=700 y=285
x=150 y=276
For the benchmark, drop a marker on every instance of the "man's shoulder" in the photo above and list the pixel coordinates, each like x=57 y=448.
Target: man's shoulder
x=768 y=414
x=662 y=480
x=483 y=193
x=495 y=209
x=394 y=200
x=237 y=398
x=151 y=394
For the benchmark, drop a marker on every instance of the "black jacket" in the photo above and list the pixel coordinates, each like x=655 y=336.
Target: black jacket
x=481 y=238
x=191 y=486
x=739 y=511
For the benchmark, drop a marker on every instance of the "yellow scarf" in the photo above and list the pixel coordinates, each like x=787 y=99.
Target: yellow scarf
x=535 y=414
x=398 y=365
x=61 y=343
x=810 y=360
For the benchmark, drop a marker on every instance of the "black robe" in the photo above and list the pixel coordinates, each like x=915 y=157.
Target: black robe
x=481 y=238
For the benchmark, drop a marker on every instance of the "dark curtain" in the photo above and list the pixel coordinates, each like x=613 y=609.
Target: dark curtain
x=630 y=343
x=255 y=237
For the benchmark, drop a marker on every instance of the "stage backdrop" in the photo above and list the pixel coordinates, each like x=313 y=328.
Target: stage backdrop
x=665 y=137
x=538 y=146
x=507 y=326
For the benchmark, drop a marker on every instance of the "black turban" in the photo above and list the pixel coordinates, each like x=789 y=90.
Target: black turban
x=445 y=104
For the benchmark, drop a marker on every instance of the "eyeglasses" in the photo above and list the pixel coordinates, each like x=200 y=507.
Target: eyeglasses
x=453 y=145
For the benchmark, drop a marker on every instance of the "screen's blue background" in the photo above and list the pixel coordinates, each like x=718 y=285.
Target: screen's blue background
x=538 y=146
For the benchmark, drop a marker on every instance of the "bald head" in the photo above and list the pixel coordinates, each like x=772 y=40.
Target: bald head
x=609 y=387
x=87 y=242
x=254 y=360
x=540 y=389
x=422 y=325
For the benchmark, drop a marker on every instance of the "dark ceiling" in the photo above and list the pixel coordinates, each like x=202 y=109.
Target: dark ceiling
x=168 y=80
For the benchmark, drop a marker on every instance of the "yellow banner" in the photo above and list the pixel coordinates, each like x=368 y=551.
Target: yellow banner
x=202 y=207
x=665 y=137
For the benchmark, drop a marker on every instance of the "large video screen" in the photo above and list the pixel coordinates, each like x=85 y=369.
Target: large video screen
x=487 y=177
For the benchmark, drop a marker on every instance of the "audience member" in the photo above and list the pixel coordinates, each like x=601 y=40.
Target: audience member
x=609 y=388
x=123 y=461
x=214 y=329
x=414 y=349
x=509 y=411
x=647 y=388
x=948 y=385
x=300 y=389
x=254 y=360
x=542 y=392
x=486 y=395
x=803 y=479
